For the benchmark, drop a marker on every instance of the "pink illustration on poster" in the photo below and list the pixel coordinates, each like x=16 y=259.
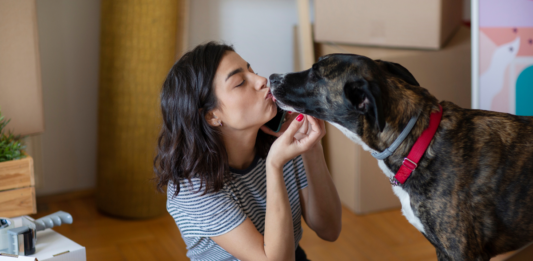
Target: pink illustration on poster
x=506 y=56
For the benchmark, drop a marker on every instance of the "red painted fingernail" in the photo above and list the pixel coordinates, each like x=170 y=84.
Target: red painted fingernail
x=300 y=117
x=289 y=112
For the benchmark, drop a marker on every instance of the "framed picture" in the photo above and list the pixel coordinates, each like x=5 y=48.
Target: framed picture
x=502 y=56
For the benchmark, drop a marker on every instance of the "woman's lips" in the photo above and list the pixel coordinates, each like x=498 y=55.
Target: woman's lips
x=270 y=96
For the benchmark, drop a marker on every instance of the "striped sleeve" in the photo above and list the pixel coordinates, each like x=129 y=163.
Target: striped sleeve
x=197 y=215
x=299 y=172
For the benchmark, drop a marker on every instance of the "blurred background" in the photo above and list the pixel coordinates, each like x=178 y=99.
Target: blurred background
x=80 y=80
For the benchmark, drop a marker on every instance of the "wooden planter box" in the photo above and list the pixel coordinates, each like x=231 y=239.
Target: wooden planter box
x=17 y=188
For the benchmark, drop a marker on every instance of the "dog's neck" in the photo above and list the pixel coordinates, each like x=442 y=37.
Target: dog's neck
x=403 y=103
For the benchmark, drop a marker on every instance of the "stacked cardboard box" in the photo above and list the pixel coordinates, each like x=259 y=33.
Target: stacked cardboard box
x=20 y=73
x=362 y=186
x=423 y=24
x=20 y=100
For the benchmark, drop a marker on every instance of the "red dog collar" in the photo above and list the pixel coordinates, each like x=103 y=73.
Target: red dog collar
x=410 y=163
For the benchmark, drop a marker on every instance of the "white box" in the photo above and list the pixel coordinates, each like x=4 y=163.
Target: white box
x=52 y=246
x=5 y=257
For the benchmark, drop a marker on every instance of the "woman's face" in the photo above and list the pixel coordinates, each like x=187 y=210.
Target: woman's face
x=242 y=95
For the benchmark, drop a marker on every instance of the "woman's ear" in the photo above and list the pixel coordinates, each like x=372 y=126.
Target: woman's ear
x=212 y=119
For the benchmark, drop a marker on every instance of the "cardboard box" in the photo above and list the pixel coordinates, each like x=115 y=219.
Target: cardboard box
x=17 y=188
x=6 y=257
x=52 y=246
x=20 y=74
x=361 y=184
x=425 y=24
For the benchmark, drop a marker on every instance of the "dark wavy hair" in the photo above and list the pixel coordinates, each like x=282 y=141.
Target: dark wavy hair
x=188 y=146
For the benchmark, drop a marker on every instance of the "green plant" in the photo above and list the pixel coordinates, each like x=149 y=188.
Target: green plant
x=11 y=147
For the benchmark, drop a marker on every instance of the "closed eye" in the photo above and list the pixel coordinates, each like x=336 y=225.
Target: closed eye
x=240 y=84
x=249 y=68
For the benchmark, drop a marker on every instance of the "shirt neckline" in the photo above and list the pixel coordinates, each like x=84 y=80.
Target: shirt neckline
x=248 y=169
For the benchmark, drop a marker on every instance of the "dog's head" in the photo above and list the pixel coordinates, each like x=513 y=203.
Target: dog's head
x=346 y=89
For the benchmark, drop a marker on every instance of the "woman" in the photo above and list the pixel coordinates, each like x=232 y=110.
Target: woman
x=235 y=190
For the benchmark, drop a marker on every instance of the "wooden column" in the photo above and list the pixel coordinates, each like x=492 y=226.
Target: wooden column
x=305 y=36
x=138 y=47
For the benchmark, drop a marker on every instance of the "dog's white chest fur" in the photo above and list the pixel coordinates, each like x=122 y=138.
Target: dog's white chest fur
x=352 y=136
x=407 y=210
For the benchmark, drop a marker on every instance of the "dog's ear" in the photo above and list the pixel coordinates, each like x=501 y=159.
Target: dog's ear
x=366 y=98
x=398 y=71
x=322 y=57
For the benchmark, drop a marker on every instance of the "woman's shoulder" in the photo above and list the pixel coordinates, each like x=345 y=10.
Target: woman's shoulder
x=193 y=202
x=193 y=191
x=186 y=184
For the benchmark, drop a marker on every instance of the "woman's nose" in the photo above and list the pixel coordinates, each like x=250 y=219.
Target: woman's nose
x=261 y=82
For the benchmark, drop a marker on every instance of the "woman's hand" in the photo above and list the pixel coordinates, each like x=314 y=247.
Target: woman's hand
x=289 y=117
x=299 y=136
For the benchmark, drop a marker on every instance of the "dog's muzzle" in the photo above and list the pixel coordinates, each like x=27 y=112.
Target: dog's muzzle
x=275 y=80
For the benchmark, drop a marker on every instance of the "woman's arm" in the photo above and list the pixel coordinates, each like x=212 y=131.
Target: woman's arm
x=279 y=242
x=321 y=207
x=246 y=243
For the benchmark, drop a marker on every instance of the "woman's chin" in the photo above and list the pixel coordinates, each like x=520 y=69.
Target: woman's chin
x=273 y=110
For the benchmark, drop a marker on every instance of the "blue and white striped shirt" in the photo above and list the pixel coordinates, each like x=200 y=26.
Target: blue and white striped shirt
x=200 y=217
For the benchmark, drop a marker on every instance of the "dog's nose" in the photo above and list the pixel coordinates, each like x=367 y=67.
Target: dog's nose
x=275 y=79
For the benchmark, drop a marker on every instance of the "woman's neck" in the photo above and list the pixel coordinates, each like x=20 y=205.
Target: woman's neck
x=240 y=146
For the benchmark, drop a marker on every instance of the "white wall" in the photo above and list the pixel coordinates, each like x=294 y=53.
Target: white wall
x=69 y=48
x=260 y=30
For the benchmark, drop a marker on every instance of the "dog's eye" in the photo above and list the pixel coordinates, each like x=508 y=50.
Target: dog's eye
x=315 y=67
x=315 y=72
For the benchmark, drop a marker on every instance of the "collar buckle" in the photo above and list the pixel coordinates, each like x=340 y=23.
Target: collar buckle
x=408 y=163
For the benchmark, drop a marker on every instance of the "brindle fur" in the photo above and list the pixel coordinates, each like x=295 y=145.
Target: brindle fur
x=472 y=188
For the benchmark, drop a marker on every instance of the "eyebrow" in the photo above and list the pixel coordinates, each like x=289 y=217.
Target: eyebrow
x=239 y=70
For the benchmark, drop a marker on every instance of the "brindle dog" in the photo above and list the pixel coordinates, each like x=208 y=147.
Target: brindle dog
x=472 y=192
